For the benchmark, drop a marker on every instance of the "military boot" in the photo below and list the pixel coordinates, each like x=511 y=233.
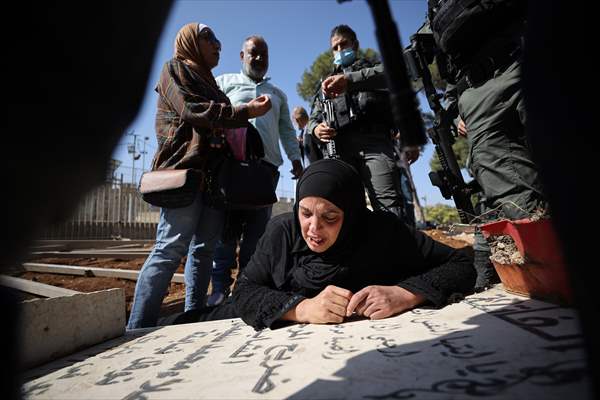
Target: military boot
x=486 y=273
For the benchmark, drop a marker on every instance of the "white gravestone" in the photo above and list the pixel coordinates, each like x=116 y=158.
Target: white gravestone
x=492 y=345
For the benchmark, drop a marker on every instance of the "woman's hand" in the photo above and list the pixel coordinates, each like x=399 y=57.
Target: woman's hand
x=329 y=306
x=324 y=133
x=377 y=302
x=259 y=106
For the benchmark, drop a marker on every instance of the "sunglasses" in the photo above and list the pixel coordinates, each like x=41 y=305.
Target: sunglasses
x=209 y=36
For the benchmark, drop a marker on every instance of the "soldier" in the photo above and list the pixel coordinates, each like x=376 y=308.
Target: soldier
x=483 y=45
x=359 y=89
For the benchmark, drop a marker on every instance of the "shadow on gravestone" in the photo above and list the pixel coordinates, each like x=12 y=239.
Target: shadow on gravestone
x=81 y=356
x=528 y=350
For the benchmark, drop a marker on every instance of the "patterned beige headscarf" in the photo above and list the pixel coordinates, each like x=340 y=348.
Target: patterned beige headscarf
x=187 y=49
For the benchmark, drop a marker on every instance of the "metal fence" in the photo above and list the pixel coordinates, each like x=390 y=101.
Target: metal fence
x=113 y=210
x=116 y=210
x=286 y=187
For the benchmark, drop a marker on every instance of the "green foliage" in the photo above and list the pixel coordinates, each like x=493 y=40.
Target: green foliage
x=441 y=214
x=320 y=68
x=461 y=150
x=311 y=78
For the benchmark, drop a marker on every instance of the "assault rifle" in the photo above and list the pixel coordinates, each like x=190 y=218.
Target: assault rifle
x=404 y=105
x=420 y=54
x=337 y=114
x=329 y=117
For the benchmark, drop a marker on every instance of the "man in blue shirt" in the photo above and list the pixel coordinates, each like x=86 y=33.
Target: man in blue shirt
x=274 y=127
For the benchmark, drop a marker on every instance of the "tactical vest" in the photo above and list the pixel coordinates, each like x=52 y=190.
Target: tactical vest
x=462 y=27
x=364 y=108
x=373 y=106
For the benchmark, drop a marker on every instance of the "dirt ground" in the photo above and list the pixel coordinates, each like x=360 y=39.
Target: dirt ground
x=504 y=250
x=173 y=302
x=448 y=240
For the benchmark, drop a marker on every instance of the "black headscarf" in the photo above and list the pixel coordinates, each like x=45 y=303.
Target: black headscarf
x=339 y=183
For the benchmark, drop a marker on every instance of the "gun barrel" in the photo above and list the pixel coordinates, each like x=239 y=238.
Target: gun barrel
x=402 y=98
x=449 y=180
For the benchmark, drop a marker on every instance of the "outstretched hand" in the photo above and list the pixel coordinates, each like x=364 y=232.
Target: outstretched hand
x=259 y=106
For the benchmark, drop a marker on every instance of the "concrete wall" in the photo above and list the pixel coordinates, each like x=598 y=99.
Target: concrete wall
x=55 y=327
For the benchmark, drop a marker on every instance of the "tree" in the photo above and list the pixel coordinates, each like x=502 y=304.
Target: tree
x=461 y=149
x=321 y=68
x=441 y=214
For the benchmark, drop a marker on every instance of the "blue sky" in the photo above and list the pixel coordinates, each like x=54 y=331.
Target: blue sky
x=296 y=32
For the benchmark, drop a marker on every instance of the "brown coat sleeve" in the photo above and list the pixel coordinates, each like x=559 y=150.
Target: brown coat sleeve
x=198 y=108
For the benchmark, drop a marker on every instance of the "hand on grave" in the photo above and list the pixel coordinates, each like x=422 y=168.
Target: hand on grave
x=329 y=306
x=377 y=302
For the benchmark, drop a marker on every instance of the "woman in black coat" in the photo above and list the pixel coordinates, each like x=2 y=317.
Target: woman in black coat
x=333 y=258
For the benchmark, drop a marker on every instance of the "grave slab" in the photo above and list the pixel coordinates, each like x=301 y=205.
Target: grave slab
x=491 y=345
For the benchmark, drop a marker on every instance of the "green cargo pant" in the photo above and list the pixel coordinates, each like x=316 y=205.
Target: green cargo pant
x=500 y=159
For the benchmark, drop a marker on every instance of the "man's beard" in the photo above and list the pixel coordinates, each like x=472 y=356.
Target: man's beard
x=253 y=73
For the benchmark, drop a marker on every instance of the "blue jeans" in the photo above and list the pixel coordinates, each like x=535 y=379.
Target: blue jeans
x=192 y=230
x=253 y=223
